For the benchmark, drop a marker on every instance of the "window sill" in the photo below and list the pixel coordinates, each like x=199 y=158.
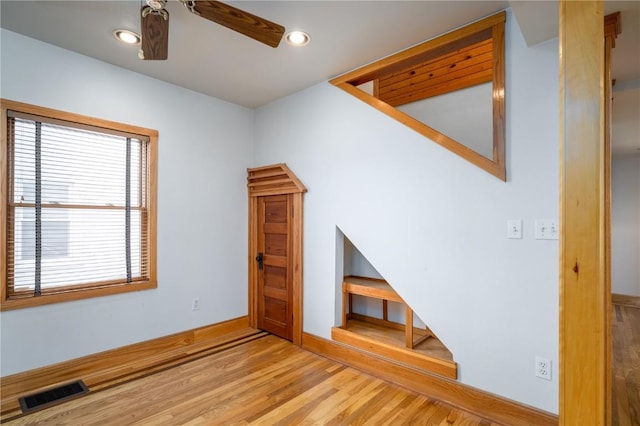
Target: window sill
x=68 y=296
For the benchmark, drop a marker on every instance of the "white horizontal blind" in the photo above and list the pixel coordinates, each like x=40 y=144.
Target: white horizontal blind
x=77 y=207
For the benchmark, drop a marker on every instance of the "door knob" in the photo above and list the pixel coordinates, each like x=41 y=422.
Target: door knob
x=260 y=260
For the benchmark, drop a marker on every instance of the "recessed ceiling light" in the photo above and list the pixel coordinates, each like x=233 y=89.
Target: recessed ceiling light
x=126 y=36
x=297 y=38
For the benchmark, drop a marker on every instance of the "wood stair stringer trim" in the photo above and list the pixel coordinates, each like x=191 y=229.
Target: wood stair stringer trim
x=492 y=407
x=403 y=356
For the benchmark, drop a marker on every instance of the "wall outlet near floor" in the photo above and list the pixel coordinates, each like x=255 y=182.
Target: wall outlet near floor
x=195 y=304
x=543 y=368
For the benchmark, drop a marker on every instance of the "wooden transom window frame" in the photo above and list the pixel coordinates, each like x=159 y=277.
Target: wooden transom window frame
x=454 y=50
x=139 y=210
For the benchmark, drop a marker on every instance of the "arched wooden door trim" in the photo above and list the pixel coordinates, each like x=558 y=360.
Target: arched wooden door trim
x=267 y=181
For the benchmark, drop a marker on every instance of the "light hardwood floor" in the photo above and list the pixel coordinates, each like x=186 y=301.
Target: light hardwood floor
x=430 y=347
x=626 y=364
x=268 y=381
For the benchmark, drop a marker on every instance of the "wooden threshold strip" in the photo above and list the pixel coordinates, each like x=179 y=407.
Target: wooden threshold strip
x=495 y=408
x=112 y=367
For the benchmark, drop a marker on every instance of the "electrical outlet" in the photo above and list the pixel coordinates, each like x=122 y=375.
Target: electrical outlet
x=195 y=304
x=543 y=368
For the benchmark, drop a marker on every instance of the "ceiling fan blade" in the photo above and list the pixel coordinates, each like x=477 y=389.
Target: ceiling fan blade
x=155 y=34
x=253 y=26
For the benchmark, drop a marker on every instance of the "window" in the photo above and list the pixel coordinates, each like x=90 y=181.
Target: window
x=80 y=198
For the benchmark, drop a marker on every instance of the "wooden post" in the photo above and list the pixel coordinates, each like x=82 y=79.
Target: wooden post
x=409 y=327
x=583 y=289
x=345 y=296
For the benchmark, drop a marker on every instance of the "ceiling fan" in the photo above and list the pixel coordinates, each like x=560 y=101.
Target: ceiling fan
x=155 y=25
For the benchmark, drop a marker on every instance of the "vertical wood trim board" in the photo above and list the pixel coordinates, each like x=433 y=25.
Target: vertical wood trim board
x=297 y=268
x=4 y=195
x=583 y=284
x=611 y=30
x=607 y=231
x=253 y=269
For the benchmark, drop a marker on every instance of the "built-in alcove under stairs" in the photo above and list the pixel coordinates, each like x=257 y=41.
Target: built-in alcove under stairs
x=407 y=343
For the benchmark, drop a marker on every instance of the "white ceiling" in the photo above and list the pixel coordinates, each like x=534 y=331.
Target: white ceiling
x=538 y=21
x=214 y=60
x=208 y=58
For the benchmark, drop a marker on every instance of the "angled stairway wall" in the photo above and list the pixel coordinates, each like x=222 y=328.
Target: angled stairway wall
x=432 y=224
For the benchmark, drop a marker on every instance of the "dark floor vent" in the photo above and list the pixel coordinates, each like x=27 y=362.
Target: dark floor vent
x=52 y=396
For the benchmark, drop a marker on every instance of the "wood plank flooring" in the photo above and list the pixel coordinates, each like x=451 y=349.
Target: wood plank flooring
x=430 y=347
x=623 y=299
x=268 y=381
x=626 y=365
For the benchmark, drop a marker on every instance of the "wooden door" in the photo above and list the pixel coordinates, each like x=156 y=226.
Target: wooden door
x=275 y=295
x=275 y=230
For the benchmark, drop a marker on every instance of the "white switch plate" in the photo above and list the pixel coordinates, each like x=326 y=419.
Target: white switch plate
x=514 y=228
x=547 y=229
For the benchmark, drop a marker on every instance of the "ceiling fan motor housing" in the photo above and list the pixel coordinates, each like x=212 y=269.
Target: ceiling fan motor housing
x=156 y=4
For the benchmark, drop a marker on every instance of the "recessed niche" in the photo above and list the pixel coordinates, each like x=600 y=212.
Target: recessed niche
x=373 y=317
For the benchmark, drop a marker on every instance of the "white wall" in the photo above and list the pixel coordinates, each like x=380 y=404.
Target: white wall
x=356 y=264
x=204 y=150
x=464 y=115
x=625 y=225
x=432 y=224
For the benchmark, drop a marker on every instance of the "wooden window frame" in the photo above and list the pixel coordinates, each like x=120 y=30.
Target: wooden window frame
x=65 y=294
x=492 y=28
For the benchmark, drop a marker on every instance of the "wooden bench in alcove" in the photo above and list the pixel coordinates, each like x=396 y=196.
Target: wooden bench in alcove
x=378 y=289
x=382 y=336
